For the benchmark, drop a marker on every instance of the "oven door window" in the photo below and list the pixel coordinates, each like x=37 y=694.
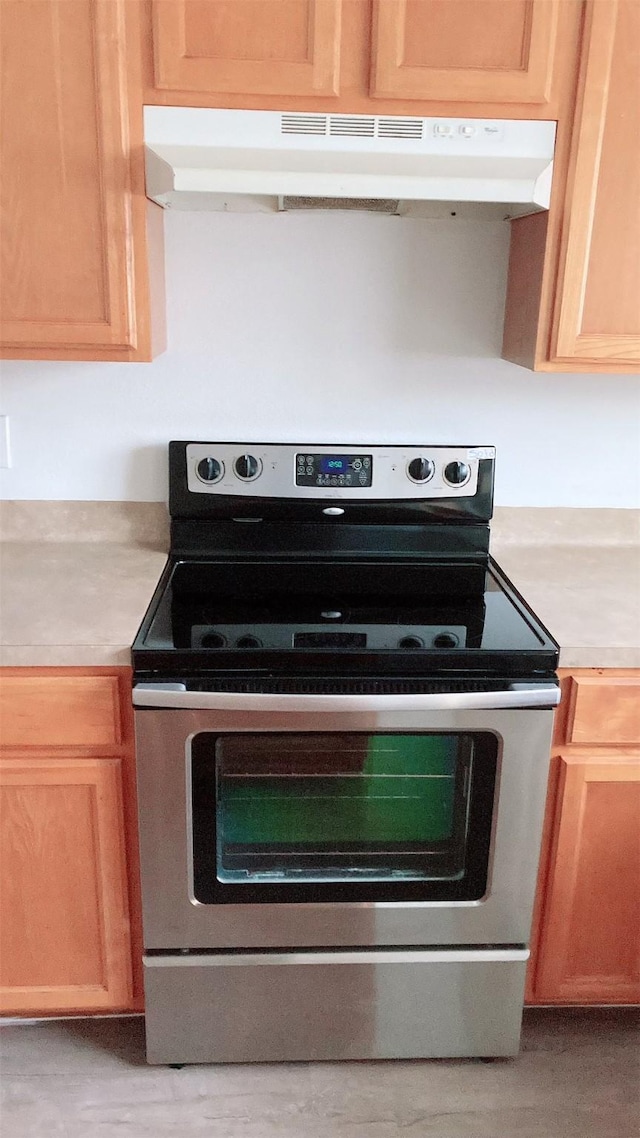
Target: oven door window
x=314 y=817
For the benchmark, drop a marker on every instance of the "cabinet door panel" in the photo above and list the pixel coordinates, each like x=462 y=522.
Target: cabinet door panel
x=252 y=47
x=589 y=947
x=599 y=308
x=64 y=936
x=604 y=711
x=76 y=229
x=67 y=711
x=65 y=175
x=498 y=51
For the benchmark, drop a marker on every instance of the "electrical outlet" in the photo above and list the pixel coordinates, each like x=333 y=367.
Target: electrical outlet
x=5 y=443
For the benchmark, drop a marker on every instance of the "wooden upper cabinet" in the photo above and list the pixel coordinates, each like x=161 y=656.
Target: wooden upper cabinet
x=509 y=58
x=598 y=315
x=75 y=244
x=248 y=47
x=573 y=297
x=487 y=51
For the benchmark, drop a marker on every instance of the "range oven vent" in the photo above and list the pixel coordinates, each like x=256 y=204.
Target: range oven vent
x=349 y=685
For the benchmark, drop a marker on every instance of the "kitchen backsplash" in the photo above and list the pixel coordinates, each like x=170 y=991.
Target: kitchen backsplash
x=325 y=326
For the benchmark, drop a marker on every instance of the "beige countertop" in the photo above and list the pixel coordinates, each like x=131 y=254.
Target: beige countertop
x=73 y=603
x=76 y=592
x=587 y=596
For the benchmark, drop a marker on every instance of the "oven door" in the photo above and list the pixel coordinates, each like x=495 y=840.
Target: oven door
x=286 y=822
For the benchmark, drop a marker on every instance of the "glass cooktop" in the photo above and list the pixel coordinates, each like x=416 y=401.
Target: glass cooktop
x=410 y=617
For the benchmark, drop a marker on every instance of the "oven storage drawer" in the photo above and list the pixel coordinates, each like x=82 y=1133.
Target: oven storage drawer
x=357 y=1005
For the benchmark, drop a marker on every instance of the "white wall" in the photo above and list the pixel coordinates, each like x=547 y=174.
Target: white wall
x=325 y=327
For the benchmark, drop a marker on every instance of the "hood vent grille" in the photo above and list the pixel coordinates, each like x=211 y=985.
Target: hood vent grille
x=399 y=128
x=351 y=126
x=354 y=126
x=303 y=124
x=369 y=205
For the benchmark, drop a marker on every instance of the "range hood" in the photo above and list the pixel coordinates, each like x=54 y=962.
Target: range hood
x=197 y=158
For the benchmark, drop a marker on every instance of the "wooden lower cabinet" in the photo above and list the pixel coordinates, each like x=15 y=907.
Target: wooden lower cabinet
x=64 y=937
x=586 y=937
x=70 y=936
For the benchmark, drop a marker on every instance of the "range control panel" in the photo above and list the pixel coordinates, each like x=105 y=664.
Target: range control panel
x=275 y=470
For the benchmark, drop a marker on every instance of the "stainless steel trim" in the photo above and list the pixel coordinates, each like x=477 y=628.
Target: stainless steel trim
x=403 y=956
x=151 y=695
x=390 y=479
x=169 y=686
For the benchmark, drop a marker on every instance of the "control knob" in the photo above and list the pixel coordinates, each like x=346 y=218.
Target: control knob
x=209 y=470
x=421 y=469
x=247 y=467
x=445 y=640
x=248 y=641
x=456 y=473
x=213 y=640
x=411 y=642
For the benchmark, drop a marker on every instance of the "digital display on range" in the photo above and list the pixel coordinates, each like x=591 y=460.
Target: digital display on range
x=333 y=465
x=350 y=471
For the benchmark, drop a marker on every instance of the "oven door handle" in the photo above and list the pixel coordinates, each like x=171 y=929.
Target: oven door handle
x=176 y=696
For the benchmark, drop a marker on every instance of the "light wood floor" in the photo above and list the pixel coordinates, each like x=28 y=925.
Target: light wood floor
x=578 y=1076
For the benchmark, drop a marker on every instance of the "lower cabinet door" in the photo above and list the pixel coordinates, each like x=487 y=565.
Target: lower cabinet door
x=64 y=933
x=589 y=948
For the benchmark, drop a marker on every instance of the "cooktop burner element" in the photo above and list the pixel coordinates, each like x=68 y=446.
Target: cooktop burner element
x=265 y=581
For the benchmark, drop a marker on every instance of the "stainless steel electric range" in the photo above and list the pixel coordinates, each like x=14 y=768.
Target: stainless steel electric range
x=343 y=717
